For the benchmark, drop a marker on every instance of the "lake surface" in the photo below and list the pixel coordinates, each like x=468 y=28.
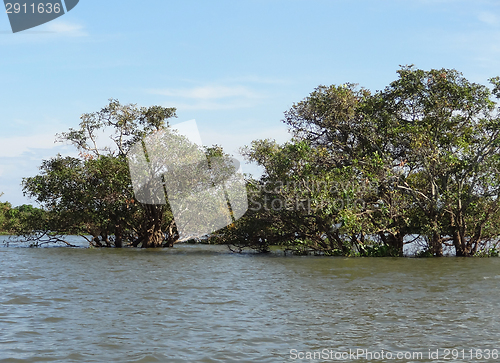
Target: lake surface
x=198 y=303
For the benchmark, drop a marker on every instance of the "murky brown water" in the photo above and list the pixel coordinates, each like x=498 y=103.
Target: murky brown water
x=203 y=304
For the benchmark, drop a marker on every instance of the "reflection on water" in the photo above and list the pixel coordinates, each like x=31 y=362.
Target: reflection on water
x=204 y=304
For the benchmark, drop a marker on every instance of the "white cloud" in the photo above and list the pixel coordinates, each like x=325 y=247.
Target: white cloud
x=489 y=18
x=211 y=106
x=258 y=80
x=17 y=145
x=47 y=33
x=208 y=92
x=218 y=97
x=66 y=28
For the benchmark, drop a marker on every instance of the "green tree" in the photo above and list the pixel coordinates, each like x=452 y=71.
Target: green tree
x=428 y=145
x=87 y=197
x=448 y=131
x=93 y=194
x=4 y=218
x=339 y=121
x=16 y=220
x=299 y=204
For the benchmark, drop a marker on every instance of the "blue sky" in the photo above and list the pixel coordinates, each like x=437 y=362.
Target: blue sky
x=233 y=65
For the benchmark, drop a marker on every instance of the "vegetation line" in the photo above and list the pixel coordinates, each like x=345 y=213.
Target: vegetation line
x=365 y=173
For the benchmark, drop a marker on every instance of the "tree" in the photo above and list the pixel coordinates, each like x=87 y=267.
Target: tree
x=93 y=194
x=338 y=120
x=298 y=203
x=4 y=208
x=116 y=192
x=448 y=130
x=428 y=145
x=87 y=197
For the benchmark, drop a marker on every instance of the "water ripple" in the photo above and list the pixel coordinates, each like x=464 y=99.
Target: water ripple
x=202 y=304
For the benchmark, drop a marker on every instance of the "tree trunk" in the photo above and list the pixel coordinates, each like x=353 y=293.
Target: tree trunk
x=118 y=236
x=338 y=241
x=459 y=251
x=396 y=242
x=153 y=236
x=172 y=235
x=436 y=246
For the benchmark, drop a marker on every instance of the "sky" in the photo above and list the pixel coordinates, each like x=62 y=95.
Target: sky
x=234 y=66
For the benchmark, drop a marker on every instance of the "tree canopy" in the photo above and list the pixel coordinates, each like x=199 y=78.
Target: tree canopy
x=114 y=193
x=417 y=160
x=92 y=195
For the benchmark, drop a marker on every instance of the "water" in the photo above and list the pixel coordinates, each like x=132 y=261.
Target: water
x=203 y=304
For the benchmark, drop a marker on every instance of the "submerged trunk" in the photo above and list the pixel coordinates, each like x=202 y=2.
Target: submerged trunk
x=152 y=235
x=172 y=235
x=118 y=236
x=436 y=247
x=337 y=243
x=396 y=242
x=461 y=247
x=153 y=239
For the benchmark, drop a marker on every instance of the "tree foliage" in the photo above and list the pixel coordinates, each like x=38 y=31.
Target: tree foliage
x=92 y=195
x=421 y=157
x=95 y=196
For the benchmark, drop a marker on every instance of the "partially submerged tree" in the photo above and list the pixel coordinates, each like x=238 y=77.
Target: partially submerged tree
x=338 y=122
x=129 y=191
x=93 y=194
x=449 y=132
x=429 y=144
x=14 y=220
x=87 y=197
